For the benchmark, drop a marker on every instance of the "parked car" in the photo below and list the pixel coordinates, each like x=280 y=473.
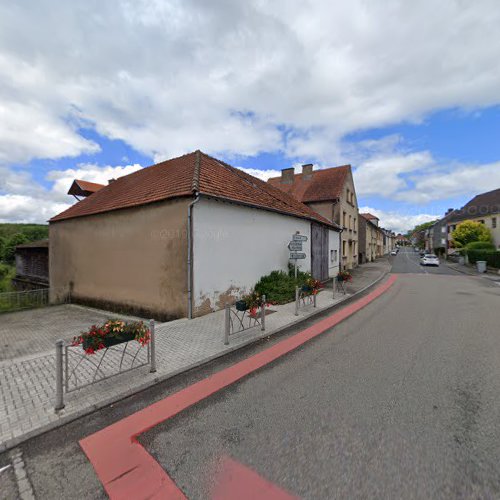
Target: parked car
x=394 y=252
x=429 y=259
x=422 y=253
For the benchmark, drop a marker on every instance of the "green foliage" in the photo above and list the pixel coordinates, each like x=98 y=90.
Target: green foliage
x=279 y=286
x=491 y=257
x=480 y=245
x=10 y=247
x=420 y=227
x=17 y=234
x=6 y=274
x=470 y=231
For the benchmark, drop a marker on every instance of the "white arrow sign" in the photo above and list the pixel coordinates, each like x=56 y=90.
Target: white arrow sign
x=297 y=255
x=299 y=237
x=295 y=246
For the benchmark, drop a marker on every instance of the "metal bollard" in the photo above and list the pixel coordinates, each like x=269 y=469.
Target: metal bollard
x=263 y=314
x=153 y=346
x=296 y=301
x=314 y=300
x=227 y=324
x=59 y=405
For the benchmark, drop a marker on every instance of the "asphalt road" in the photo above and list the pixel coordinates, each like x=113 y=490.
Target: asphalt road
x=408 y=261
x=399 y=401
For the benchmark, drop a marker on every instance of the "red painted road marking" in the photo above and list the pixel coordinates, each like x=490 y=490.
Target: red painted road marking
x=127 y=470
x=237 y=481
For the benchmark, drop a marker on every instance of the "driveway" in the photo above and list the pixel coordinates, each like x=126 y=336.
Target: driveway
x=35 y=331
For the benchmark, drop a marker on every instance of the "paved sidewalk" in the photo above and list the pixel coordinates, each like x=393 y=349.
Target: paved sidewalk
x=472 y=271
x=27 y=385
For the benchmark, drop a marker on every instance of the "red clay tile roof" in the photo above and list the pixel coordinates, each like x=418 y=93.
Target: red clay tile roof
x=194 y=172
x=482 y=204
x=324 y=185
x=369 y=216
x=84 y=188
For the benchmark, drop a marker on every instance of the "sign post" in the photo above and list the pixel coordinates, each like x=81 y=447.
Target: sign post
x=295 y=247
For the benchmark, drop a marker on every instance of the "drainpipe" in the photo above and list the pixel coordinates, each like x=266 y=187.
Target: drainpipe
x=340 y=249
x=190 y=254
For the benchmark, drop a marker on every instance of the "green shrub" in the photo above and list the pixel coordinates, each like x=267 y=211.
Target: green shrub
x=480 y=245
x=279 y=286
x=491 y=257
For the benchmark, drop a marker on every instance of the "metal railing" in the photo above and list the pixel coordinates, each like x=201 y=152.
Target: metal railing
x=304 y=298
x=75 y=369
x=239 y=321
x=30 y=299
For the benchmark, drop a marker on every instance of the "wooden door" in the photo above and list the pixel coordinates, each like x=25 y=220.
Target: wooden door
x=319 y=252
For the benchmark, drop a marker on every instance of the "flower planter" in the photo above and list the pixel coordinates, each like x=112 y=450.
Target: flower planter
x=241 y=305
x=111 y=340
x=306 y=289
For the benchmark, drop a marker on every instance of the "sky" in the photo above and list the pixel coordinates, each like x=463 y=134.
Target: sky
x=408 y=93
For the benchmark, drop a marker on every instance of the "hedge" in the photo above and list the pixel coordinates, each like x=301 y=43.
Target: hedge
x=491 y=257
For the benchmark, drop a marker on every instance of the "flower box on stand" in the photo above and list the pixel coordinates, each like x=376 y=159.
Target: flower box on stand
x=111 y=333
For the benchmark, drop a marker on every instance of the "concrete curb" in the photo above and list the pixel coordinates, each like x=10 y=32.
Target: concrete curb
x=66 y=419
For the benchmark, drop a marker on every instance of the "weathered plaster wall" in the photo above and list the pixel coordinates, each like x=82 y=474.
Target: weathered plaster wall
x=234 y=246
x=133 y=259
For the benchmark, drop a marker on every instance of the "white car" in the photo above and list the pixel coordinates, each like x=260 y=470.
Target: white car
x=429 y=260
x=394 y=252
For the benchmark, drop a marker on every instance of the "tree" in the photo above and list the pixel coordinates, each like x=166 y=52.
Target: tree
x=469 y=231
x=10 y=246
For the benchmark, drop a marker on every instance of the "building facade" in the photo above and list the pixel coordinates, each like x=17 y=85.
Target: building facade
x=331 y=193
x=182 y=238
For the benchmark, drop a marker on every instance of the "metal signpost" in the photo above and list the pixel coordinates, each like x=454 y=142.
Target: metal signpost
x=295 y=247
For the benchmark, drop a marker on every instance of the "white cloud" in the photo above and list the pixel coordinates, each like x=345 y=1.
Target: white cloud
x=23 y=200
x=261 y=174
x=398 y=221
x=171 y=76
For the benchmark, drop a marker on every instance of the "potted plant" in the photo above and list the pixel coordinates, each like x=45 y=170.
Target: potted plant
x=111 y=333
x=311 y=286
x=253 y=301
x=241 y=305
x=344 y=276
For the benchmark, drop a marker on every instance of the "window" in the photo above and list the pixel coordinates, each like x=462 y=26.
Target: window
x=343 y=219
x=354 y=224
x=481 y=221
x=333 y=255
x=494 y=222
x=348 y=197
x=343 y=248
x=350 y=220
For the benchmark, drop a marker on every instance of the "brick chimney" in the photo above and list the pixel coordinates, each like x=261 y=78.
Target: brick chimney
x=307 y=171
x=287 y=175
x=110 y=181
x=449 y=211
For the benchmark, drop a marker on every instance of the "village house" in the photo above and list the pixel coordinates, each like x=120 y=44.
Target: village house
x=484 y=208
x=371 y=236
x=182 y=238
x=331 y=193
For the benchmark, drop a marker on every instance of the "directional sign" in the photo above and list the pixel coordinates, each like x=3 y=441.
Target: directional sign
x=299 y=237
x=295 y=246
x=297 y=255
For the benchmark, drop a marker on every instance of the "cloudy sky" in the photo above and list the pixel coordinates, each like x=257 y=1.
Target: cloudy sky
x=407 y=92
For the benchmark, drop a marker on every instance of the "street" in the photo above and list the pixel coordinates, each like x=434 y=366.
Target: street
x=400 y=400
